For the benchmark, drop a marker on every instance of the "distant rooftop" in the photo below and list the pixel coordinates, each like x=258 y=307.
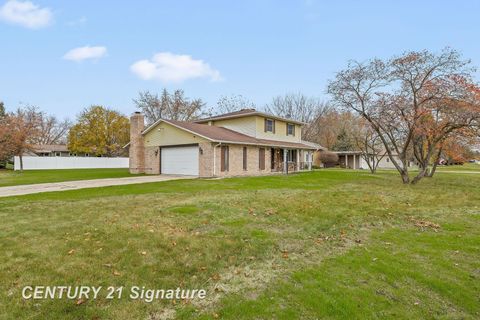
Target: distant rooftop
x=50 y=148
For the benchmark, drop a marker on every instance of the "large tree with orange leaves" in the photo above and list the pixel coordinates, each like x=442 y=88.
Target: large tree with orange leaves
x=17 y=132
x=412 y=101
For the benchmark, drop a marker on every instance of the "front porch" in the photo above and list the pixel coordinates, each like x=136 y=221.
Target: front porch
x=350 y=159
x=290 y=160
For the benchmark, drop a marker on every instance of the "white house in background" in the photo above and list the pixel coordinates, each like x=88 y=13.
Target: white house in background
x=355 y=160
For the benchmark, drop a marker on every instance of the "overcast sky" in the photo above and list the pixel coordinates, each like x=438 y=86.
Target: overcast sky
x=63 y=56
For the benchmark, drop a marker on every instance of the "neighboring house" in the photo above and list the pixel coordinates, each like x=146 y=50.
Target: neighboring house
x=246 y=142
x=53 y=150
x=355 y=160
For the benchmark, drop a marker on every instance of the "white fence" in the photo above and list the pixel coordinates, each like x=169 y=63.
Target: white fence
x=42 y=163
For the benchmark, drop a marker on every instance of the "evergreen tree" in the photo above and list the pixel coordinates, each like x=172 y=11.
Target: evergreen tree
x=344 y=142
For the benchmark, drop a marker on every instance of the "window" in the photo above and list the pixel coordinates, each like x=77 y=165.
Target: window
x=224 y=158
x=57 y=154
x=270 y=125
x=388 y=160
x=290 y=129
x=261 y=158
x=245 y=158
x=87 y=155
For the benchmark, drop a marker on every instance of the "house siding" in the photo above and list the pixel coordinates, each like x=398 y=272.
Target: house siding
x=280 y=133
x=165 y=134
x=246 y=125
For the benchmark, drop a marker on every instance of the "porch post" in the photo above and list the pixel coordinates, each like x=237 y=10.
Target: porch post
x=298 y=160
x=285 y=164
x=354 y=159
x=310 y=160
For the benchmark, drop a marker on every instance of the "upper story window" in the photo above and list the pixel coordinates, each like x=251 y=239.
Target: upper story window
x=290 y=129
x=270 y=125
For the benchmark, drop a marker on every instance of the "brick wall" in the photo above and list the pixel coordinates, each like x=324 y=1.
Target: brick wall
x=137 y=144
x=152 y=160
x=236 y=161
x=206 y=159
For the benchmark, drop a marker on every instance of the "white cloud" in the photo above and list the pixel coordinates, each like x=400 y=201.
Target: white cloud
x=26 y=14
x=172 y=68
x=84 y=53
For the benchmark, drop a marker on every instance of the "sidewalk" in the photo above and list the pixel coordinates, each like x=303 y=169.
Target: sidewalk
x=82 y=184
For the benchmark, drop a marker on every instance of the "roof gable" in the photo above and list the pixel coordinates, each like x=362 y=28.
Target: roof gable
x=246 y=113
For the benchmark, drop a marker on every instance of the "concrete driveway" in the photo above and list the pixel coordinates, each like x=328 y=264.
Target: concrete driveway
x=82 y=184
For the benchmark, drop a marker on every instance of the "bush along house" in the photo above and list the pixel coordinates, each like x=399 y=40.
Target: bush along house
x=245 y=142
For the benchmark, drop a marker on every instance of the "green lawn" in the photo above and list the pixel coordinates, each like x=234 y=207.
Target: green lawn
x=329 y=244
x=12 y=178
x=464 y=167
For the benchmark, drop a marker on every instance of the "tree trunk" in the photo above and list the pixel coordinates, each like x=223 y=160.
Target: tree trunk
x=435 y=164
x=21 y=162
x=420 y=175
x=432 y=172
x=405 y=177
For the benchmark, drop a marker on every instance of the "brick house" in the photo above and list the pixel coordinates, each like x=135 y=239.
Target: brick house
x=246 y=142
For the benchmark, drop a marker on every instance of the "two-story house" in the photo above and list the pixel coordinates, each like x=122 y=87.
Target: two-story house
x=245 y=142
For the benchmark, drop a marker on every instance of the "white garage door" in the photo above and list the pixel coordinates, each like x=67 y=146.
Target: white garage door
x=180 y=160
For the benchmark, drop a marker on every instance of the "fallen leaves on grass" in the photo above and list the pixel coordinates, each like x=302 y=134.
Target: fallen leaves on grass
x=116 y=273
x=71 y=252
x=424 y=224
x=270 y=212
x=80 y=302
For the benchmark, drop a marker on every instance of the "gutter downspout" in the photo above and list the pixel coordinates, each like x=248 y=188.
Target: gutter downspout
x=215 y=158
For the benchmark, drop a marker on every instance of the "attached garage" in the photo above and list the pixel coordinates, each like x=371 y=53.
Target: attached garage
x=179 y=160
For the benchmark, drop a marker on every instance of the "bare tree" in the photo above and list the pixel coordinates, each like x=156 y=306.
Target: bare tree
x=368 y=141
x=295 y=106
x=300 y=108
x=394 y=97
x=326 y=127
x=233 y=103
x=51 y=130
x=169 y=106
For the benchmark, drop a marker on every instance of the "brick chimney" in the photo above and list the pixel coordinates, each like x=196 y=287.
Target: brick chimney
x=137 y=144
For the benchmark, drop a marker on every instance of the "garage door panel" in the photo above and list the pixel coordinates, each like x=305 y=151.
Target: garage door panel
x=180 y=160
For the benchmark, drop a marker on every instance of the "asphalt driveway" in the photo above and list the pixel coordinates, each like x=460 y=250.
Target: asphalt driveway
x=82 y=184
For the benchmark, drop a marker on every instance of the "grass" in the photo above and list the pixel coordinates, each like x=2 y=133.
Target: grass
x=329 y=244
x=12 y=178
x=464 y=167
